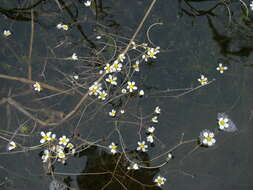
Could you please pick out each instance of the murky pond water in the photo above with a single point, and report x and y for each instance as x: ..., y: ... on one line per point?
x: 194, y: 38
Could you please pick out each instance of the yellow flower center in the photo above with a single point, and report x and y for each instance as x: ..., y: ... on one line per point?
x: 108, y: 68
x: 135, y: 66
x: 222, y: 68
x: 65, y: 27
x: 102, y: 95
x: 159, y: 181
x: 47, y: 138
x: 222, y: 122
x: 131, y: 86
x: 209, y: 139
x: 114, y: 147
x: 151, y: 54
x: 142, y: 146
x: 95, y: 89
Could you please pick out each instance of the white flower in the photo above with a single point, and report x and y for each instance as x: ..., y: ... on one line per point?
x: 112, y: 113
x: 111, y: 79
x: 74, y: 56
x: 98, y: 37
x: 157, y: 110
x: 122, y: 111
x: 87, y: 3
x: 102, y: 95
x: 63, y: 140
x: 136, y: 66
x: 151, y: 129
x: 221, y: 68
x: 7, y: 33
x: 70, y: 146
x: 251, y: 5
x: 223, y: 123
x: 169, y: 157
x: 207, y: 138
x: 159, y: 180
x: 133, y: 166
x: 131, y: 86
x: 154, y: 119
x: 123, y: 91
x: 46, y: 155
x: 134, y: 45
x: 116, y: 66
x: 141, y: 93
x: 37, y: 87
x: 113, y: 148
x: 142, y: 146
x: 47, y: 137
x: 95, y: 89
x: 152, y: 52
x: 203, y: 80
x: 121, y: 57
x: 108, y: 68
x: 61, y: 154
x: 12, y: 145
x: 76, y: 77
x: 150, y: 138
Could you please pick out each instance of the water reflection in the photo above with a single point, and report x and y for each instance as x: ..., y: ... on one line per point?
x: 106, y: 171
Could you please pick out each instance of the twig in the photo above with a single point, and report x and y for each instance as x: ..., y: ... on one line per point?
x: 43, y: 85
x: 31, y: 46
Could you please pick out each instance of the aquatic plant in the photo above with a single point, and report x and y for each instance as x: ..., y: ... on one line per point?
x: 102, y: 83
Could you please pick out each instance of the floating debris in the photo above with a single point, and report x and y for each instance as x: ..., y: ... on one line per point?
x: 225, y: 123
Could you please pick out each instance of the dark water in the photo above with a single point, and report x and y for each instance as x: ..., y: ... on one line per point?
x: 194, y: 38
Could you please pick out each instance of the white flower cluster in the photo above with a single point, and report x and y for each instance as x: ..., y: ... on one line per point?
x: 57, y: 149
x: 96, y: 90
x: 116, y: 66
x: 150, y: 137
x: 150, y: 53
x: 224, y: 124
x: 157, y: 111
